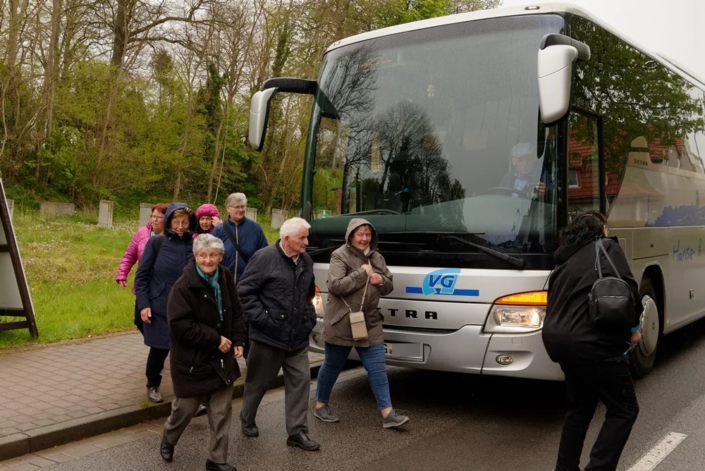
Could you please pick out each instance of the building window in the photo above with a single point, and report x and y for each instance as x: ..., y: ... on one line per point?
x: 573, y: 179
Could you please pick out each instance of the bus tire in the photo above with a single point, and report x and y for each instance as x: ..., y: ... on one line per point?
x: 643, y: 355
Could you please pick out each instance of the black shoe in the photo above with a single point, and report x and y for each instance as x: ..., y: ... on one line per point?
x: 211, y: 466
x: 250, y: 430
x: 154, y: 394
x: 302, y: 441
x: 166, y: 450
x: 201, y: 410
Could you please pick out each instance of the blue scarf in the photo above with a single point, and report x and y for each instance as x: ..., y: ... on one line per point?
x: 212, y: 280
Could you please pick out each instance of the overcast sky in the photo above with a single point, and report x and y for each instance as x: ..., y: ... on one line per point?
x: 675, y: 28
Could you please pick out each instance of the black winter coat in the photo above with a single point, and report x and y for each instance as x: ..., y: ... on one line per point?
x: 277, y: 296
x: 568, y: 333
x: 195, y: 329
x: 158, y: 272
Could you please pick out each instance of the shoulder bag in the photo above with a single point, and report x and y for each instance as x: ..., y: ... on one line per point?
x: 245, y: 257
x: 357, y: 319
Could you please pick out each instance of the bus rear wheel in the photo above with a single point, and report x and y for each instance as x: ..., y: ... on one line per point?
x: 643, y: 355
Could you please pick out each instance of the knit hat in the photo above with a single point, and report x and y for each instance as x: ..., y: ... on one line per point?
x: 207, y: 210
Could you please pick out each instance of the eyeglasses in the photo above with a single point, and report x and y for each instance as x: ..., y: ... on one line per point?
x: 156, y: 218
x: 237, y: 207
x: 179, y: 223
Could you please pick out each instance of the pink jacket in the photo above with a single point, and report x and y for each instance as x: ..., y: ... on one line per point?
x: 134, y: 251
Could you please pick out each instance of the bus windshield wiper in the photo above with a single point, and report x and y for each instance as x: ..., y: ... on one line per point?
x: 516, y: 261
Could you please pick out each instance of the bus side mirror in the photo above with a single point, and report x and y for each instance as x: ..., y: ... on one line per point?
x: 259, y: 115
x: 556, y: 60
x: 555, y: 72
x: 259, y: 107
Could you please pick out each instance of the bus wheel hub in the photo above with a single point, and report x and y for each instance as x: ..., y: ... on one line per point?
x: 650, y: 335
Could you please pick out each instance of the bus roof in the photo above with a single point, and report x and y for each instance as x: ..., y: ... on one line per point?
x: 538, y: 8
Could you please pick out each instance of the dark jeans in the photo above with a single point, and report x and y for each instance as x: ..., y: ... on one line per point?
x: 155, y: 365
x: 611, y: 383
x: 372, y: 359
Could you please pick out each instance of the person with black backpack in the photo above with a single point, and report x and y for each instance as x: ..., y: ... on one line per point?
x: 592, y: 321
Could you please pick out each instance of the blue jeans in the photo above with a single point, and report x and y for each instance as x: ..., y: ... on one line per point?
x: 373, y: 361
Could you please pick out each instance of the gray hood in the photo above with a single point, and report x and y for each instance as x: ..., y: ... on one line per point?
x: 353, y: 225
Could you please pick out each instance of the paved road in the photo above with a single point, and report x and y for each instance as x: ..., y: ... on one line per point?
x: 458, y: 422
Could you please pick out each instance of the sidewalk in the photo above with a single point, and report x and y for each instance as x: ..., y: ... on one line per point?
x: 59, y: 394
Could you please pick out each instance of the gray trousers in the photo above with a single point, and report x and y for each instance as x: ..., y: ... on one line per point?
x: 220, y: 413
x: 263, y: 364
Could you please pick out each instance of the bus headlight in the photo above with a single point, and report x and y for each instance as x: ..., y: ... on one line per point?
x: 518, y: 313
x: 318, y: 303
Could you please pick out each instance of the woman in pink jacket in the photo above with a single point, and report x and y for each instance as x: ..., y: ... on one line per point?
x: 134, y: 251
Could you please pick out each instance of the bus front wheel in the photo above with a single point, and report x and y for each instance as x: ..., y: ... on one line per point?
x: 644, y: 354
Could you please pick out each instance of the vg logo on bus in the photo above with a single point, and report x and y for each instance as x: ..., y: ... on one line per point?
x: 442, y: 282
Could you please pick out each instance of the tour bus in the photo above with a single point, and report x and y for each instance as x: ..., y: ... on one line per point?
x: 468, y: 142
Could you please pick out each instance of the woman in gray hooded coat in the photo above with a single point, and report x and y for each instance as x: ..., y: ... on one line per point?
x: 357, y: 278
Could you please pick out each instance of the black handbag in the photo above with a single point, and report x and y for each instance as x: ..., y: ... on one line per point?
x: 611, y: 301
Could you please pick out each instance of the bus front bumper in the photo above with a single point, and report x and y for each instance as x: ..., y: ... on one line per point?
x: 466, y: 350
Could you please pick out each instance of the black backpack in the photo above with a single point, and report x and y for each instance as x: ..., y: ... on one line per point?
x: 138, y: 318
x: 611, y: 300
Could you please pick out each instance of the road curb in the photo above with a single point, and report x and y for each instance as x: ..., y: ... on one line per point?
x: 50, y: 436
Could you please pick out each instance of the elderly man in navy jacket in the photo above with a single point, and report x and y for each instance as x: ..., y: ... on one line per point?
x: 242, y: 236
x: 276, y: 291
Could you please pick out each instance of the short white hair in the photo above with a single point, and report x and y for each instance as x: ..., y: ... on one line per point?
x: 234, y: 198
x: 207, y: 241
x: 292, y: 227
x: 523, y: 149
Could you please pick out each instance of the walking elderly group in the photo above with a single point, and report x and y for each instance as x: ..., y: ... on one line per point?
x: 210, y: 292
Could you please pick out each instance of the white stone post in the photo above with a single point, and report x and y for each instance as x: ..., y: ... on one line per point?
x: 278, y: 218
x: 145, y: 213
x: 105, y: 214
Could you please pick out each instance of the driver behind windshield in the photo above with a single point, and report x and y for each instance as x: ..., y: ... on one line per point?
x: 525, y: 177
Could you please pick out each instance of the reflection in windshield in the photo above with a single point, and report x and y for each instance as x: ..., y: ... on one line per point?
x: 405, y: 155
x: 436, y: 131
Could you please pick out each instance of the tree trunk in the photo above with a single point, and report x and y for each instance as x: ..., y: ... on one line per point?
x: 9, y: 84
x: 216, y: 153
x: 50, y: 79
x: 184, y: 143
x: 177, y: 185
x: 121, y: 32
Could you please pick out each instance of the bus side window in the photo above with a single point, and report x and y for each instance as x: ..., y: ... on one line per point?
x: 583, y: 165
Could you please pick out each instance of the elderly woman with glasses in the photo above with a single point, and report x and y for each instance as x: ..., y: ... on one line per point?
x: 135, y: 249
x: 207, y: 331
x: 163, y: 260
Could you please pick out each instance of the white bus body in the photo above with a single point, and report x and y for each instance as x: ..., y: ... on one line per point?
x: 643, y: 168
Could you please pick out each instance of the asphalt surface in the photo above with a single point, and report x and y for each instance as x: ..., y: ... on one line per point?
x: 457, y: 423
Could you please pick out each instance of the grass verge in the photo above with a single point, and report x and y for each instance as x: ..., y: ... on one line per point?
x: 70, y: 264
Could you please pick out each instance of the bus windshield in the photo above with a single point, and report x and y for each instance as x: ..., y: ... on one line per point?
x: 436, y: 131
